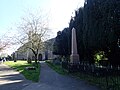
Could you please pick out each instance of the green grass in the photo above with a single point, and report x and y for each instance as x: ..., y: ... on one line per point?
x: 57, y: 68
x: 94, y: 80
x: 20, y: 66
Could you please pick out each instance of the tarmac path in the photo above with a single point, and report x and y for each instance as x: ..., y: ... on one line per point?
x: 50, y: 80
x: 11, y: 79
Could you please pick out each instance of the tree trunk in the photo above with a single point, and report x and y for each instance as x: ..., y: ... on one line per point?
x: 36, y: 58
x: 35, y: 54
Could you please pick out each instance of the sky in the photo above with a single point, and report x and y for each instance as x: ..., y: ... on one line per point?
x: 58, y: 11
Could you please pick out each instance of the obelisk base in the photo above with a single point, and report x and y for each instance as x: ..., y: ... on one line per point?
x: 74, y: 63
x: 74, y: 58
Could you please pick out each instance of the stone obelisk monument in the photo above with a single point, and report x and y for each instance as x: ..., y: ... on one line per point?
x: 74, y: 58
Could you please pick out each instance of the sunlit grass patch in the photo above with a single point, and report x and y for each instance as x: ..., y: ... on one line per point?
x: 57, y: 68
x: 20, y: 66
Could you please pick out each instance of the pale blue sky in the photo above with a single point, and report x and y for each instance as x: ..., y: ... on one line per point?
x: 12, y: 10
x: 59, y: 11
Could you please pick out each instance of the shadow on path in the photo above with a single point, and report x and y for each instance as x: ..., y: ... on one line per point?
x: 11, y: 79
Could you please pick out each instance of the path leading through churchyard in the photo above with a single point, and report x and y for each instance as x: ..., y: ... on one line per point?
x: 50, y: 80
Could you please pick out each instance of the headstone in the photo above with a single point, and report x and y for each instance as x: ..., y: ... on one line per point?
x: 30, y: 68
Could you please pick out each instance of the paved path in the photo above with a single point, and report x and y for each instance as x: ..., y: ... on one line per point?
x: 50, y: 80
x: 11, y: 79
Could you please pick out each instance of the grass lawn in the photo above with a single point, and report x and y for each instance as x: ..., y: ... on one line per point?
x: 57, y: 68
x: 99, y: 81
x: 20, y: 66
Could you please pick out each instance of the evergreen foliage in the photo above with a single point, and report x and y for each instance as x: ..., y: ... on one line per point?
x: 97, y: 27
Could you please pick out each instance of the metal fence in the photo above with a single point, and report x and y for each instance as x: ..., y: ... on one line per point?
x: 107, y: 77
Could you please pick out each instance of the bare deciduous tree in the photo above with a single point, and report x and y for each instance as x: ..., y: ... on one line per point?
x: 33, y: 31
x: 3, y: 45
